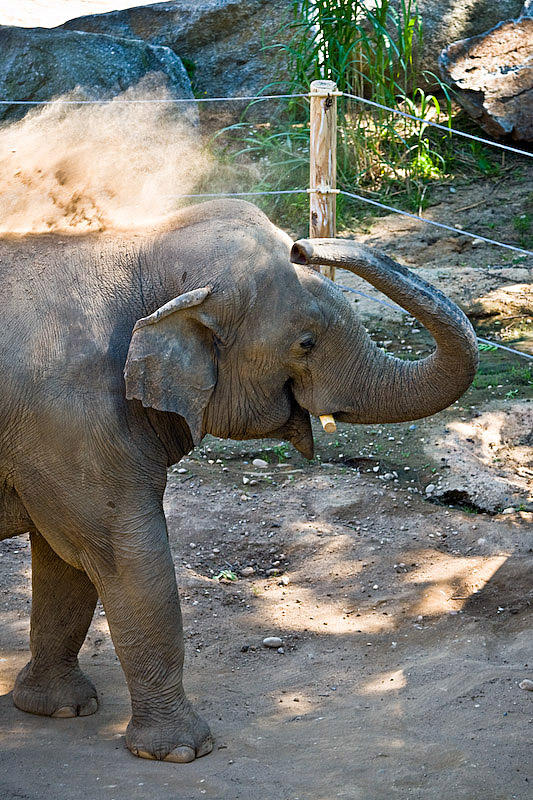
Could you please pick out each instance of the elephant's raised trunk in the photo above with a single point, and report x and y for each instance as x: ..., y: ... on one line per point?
x: 388, y: 389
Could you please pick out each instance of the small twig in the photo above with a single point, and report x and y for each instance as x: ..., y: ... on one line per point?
x: 473, y: 205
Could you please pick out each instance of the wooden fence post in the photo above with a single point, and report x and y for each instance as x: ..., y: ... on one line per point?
x: 323, y: 163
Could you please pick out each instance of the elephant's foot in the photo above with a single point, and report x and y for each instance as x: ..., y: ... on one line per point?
x: 54, y: 692
x: 181, y: 740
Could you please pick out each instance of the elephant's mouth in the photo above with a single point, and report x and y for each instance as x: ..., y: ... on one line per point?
x: 297, y: 430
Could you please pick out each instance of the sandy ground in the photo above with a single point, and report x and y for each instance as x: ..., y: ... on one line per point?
x: 404, y: 628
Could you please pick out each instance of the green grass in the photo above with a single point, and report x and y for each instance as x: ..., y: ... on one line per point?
x: 369, y: 52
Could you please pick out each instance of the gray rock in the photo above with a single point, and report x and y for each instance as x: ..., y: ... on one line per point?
x: 40, y: 64
x: 247, y: 572
x: 220, y: 41
x: 444, y: 21
x: 492, y: 75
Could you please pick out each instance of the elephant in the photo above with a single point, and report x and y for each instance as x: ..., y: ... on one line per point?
x: 119, y: 351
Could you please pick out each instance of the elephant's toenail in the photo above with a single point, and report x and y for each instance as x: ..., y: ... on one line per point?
x: 143, y: 754
x: 205, y: 748
x: 64, y: 712
x: 89, y: 708
x: 181, y: 755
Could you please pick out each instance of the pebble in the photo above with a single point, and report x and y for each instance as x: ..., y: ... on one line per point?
x: 272, y: 572
x: 245, y: 480
x: 272, y: 641
x: 259, y: 462
x: 527, y: 685
x: 246, y: 572
x: 509, y: 510
x: 285, y: 580
x: 430, y: 488
x: 182, y: 471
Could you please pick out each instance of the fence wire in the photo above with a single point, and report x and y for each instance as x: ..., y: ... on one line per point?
x: 406, y: 313
x: 259, y: 98
x: 436, y: 224
x: 445, y: 128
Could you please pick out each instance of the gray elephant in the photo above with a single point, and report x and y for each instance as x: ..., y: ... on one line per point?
x: 117, y: 354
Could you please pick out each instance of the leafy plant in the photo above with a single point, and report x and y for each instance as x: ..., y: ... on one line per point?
x: 372, y: 53
x: 282, y: 451
x: 226, y: 575
x: 522, y: 223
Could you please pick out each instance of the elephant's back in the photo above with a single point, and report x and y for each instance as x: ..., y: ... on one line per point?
x: 59, y: 301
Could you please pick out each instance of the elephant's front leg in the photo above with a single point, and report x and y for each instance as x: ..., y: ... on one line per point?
x: 63, y: 602
x: 140, y: 597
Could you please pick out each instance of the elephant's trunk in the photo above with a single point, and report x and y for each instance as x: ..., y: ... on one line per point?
x: 388, y: 389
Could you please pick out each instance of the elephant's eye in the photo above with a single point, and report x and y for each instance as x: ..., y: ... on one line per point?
x: 307, y: 342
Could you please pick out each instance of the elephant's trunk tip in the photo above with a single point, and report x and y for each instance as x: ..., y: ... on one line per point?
x: 301, y: 252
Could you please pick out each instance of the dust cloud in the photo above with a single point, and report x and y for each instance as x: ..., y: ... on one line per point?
x: 79, y: 168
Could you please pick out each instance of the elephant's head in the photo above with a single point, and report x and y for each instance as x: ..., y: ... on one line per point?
x: 262, y: 340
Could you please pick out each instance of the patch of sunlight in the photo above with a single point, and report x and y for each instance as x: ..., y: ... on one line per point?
x: 49, y: 13
x: 452, y: 580
x: 311, y: 528
x: 292, y: 702
x: 301, y: 610
x: 385, y: 682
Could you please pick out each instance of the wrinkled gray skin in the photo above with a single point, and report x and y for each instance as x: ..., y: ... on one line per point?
x: 117, y: 353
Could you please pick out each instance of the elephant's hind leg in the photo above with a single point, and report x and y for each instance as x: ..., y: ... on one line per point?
x: 63, y: 602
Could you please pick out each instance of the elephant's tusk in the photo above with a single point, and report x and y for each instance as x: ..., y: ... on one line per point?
x: 328, y: 423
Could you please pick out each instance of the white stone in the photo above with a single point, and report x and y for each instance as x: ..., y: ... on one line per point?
x: 272, y: 641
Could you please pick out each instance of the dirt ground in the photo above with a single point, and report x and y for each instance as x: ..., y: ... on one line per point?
x: 395, y: 567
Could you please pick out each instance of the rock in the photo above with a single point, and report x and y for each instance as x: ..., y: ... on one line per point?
x: 271, y: 573
x: 430, y: 488
x: 221, y: 41
x: 527, y: 685
x: 259, y: 462
x: 40, y: 64
x: 247, y: 572
x: 285, y: 580
x: 444, y: 21
x: 492, y: 76
x: 273, y: 641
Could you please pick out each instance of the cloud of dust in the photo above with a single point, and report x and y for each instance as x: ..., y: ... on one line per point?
x: 79, y: 168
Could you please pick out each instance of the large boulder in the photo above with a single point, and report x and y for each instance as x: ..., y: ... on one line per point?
x: 222, y: 42
x: 40, y: 64
x: 492, y: 75
x: 444, y: 21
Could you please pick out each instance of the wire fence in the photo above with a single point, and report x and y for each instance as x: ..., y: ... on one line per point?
x: 349, y: 194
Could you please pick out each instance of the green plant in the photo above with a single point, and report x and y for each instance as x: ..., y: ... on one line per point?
x: 483, y: 160
x: 282, y: 451
x: 522, y: 223
x: 371, y: 52
x: 226, y: 575
x: 522, y: 375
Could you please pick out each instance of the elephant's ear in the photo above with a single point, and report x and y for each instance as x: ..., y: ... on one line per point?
x: 171, y: 360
